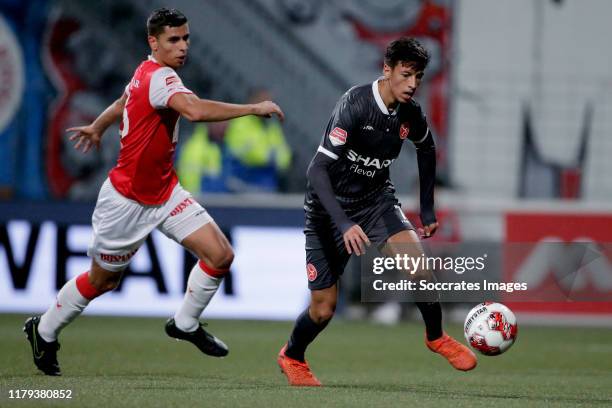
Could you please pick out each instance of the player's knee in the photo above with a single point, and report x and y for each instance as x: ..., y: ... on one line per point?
x: 223, y: 260
x: 422, y: 274
x: 106, y: 284
x: 322, y: 312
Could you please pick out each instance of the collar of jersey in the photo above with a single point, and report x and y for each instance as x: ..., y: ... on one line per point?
x: 379, y: 101
x: 150, y: 58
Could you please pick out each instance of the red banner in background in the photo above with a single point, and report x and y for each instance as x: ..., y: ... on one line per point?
x: 568, y: 228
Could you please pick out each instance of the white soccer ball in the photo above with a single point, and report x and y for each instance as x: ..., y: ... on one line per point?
x: 490, y: 328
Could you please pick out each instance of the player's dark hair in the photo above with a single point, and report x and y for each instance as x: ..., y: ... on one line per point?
x: 407, y: 50
x: 162, y: 17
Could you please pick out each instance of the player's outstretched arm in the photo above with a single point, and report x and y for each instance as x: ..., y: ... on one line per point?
x: 355, y: 240
x: 90, y: 135
x: 204, y: 110
x: 426, y: 158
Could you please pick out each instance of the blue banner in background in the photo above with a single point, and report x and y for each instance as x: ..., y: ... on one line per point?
x: 25, y: 93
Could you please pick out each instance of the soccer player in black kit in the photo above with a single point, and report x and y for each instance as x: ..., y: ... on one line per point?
x: 350, y: 200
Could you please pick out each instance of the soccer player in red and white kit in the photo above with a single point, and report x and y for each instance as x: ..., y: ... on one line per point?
x: 142, y: 193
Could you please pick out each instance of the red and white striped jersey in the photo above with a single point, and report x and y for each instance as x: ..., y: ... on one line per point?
x: 149, y: 133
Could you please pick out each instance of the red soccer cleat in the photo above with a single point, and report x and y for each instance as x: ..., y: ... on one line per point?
x: 298, y: 373
x: 458, y: 355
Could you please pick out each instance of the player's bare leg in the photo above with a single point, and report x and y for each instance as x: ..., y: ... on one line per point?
x: 72, y: 299
x: 215, y: 256
x: 459, y: 356
x: 307, y: 326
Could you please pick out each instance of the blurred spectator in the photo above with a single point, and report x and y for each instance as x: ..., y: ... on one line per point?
x: 200, y: 164
x: 258, y: 153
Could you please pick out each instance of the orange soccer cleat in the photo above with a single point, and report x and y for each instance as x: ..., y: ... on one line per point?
x: 298, y: 373
x: 460, y: 357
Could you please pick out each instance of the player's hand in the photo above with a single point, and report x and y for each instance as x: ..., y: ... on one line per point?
x: 86, y: 137
x: 267, y: 108
x: 355, y: 240
x: 428, y: 230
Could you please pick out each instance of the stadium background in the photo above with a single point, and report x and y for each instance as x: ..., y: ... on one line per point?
x: 518, y: 94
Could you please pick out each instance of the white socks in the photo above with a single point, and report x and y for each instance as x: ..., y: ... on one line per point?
x: 68, y: 305
x: 201, y: 287
x: 76, y: 294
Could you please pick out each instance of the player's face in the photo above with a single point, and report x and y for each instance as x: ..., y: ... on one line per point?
x: 170, y: 47
x: 404, y: 79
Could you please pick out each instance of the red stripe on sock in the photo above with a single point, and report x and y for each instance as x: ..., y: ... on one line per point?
x: 88, y: 290
x: 210, y: 271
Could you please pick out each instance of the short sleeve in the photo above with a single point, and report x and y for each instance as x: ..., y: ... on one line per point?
x: 339, y: 128
x: 165, y: 83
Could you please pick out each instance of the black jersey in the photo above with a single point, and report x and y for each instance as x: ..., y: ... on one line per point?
x: 363, y: 139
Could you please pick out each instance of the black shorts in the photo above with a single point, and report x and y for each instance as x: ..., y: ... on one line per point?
x: 326, y: 255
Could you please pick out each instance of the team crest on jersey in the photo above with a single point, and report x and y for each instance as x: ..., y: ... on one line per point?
x: 338, y: 136
x: 172, y: 80
x: 311, y: 271
x: 404, y: 130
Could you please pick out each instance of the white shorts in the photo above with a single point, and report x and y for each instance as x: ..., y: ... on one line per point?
x: 121, y: 225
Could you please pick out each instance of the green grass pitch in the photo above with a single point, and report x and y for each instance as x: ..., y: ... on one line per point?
x: 115, y: 362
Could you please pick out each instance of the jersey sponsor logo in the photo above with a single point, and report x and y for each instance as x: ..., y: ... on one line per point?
x: 367, y: 127
x: 368, y: 161
x: 355, y: 168
x: 338, y: 136
x: 172, y: 80
x: 181, y: 207
x: 404, y: 130
x: 311, y: 272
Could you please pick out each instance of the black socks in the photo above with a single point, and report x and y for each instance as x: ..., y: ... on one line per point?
x: 304, y: 332
x: 432, y: 316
